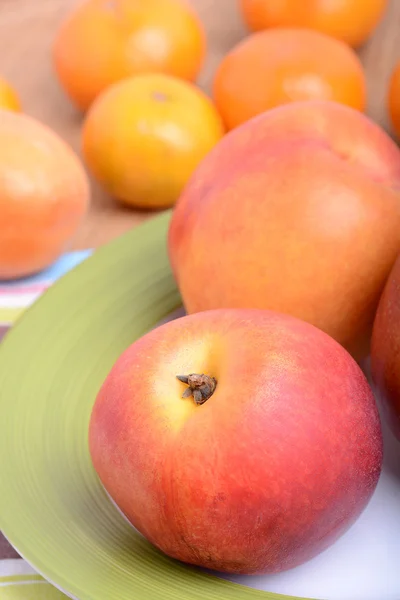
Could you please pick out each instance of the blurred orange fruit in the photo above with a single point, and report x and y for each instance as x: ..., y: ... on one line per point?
x: 44, y: 193
x: 8, y: 97
x: 144, y: 136
x: 393, y: 99
x: 103, y: 41
x: 352, y: 21
x: 277, y: 66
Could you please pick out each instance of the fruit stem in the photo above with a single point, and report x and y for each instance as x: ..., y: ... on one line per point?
x: 201, y: 387
x: 159, y: 97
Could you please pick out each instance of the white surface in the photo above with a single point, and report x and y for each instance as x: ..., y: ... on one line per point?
x: 365, y: 563
x: 15, y: 566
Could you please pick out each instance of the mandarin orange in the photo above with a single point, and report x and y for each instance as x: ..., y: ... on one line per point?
x: 144, y: 136
x: 352, y: 21
x: 103, y: 41
x: 278, y: 66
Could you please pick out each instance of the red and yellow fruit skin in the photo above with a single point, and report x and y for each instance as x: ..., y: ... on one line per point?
x: 272, y: 469
x: 385, y: 349
x: 298, y: 211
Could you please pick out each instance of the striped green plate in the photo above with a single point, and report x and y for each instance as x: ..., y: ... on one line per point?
x: 52, y: 507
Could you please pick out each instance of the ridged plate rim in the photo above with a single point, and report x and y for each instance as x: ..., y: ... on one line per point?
x: 38, y: 436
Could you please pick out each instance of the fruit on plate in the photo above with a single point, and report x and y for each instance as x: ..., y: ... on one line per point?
x: 284, y: 65
x: 104, y: 41
x: 385, y: 349
x: 297, y: 211
x: 259, y: 455
x: 352, y: 21
x: 9, y: 99
x: 393, y: 99
x: 44, y: 194
x: 144, y: 136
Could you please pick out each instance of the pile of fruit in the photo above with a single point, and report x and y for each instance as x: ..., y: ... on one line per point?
x: 130, y: 69
x: 243, y: 437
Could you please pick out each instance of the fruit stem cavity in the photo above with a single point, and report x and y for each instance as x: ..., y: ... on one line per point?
x: 201, y: 387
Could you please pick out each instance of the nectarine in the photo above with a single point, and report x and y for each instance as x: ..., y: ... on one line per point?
x: 260, y: 454
x: 298, y: 211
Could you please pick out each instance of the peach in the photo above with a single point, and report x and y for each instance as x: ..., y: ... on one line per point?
x: 44, y: 195
x: 261, y: 453
x: 298, y: 211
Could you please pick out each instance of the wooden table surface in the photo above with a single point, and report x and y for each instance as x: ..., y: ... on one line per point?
x: 26, y: 32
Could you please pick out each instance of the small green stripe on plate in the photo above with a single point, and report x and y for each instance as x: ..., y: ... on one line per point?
x: 40, y: 590
x: 10, y: 315
x: 18, y: 578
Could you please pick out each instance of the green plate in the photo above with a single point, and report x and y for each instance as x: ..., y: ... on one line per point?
x: 52, y: 506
